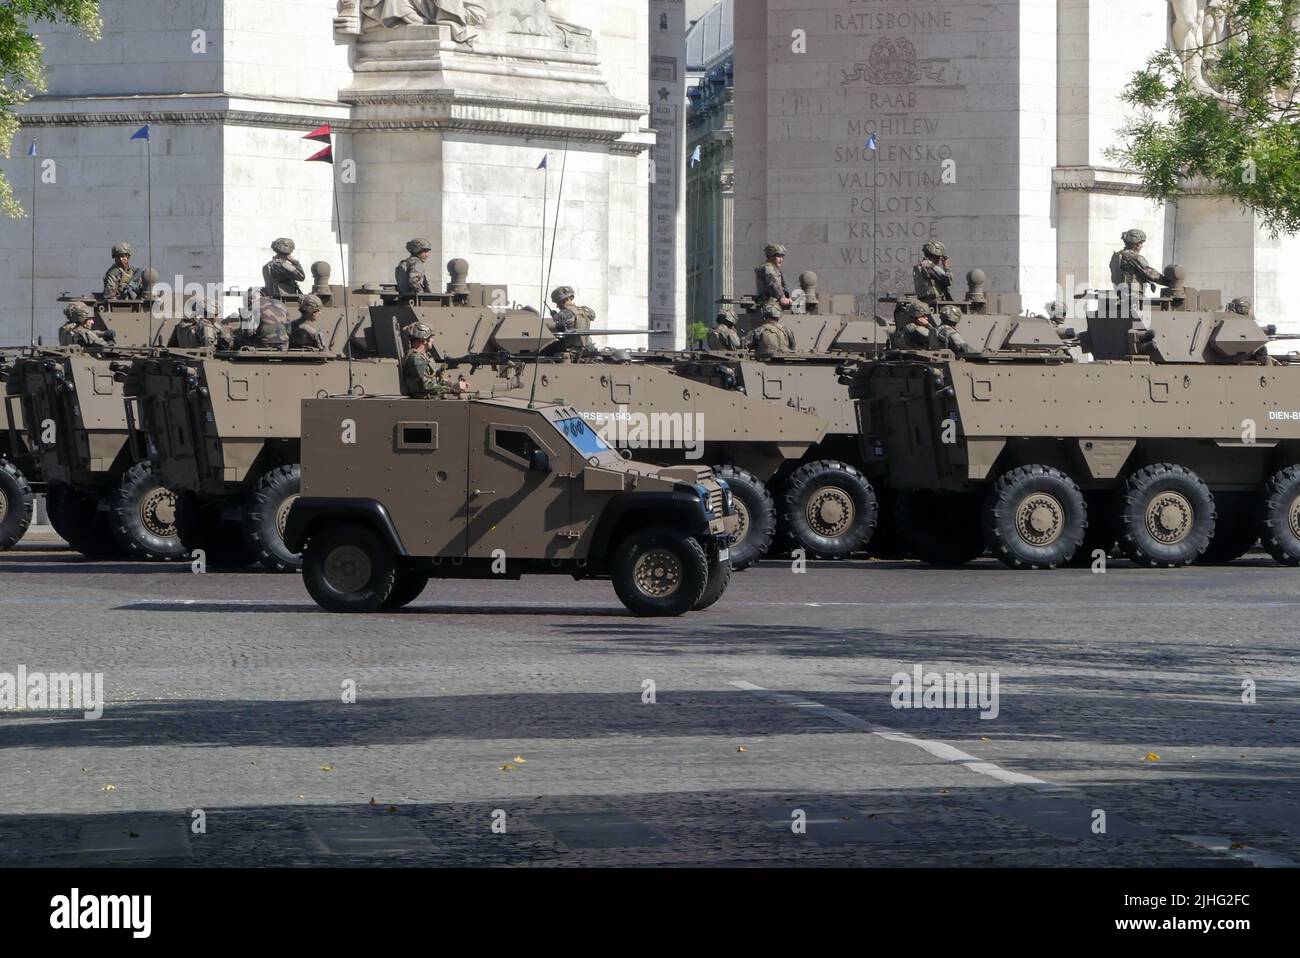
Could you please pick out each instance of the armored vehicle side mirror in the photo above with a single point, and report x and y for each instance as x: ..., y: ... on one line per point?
x: 539, y: 461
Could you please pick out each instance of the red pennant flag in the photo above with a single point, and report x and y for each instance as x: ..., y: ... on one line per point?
x: 320, y: 134
x: 324, y: 156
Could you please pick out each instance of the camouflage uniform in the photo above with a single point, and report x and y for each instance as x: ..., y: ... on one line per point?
x: 723, y: 336
x: 202, y: 329
x: 304, y: 334
x: 771, y: 339
x: 771, y: 280
x: 1129, y: 269
x: 75, y: 332
x: 570, y: 318
x: 271, y: 320
x: 281, y: 275
x: 122, y: 282
x: 932, y: 277
x: 411, y: 278
x: 419, y: 378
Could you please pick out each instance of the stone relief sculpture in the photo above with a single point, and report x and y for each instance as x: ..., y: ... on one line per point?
x: 468, y: 19
x: 1198, y: 27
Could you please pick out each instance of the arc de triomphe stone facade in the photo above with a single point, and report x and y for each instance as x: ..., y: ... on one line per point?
x: 445, y: 108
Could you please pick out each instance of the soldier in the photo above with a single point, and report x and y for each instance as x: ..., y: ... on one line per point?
x: 723, y: 336
x: 771, y: 338
x: 281, y: 276
x: 1129, y: 269
x: 303, y: 334
x: 946, y: 335
x: 272, y: 318
x: 121, y: 281
x: 912, y: 329
x: 411, y: 280
x: 933, y: 275
x: 79, y: 329
x: 771, y: 281
x: 569, y: 317
x: 201, y: 328
x: 419, y: 378
x: 1242, y: 306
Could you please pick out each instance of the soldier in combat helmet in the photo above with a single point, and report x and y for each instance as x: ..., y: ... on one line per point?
x: 568, y: 317
x: 771, y: 281
x: 912, y: 326
x: 121, y: 281
x: 771, y: 338
x: 411, y: 277
x: 723, y: 336
x: 420, y: 380
x: 79, y: 329
x: 933, y: 276
x: 281, y: 276
x: 303, y: 333
x: 1129, y: 269
x: 946, y: 335
x: 201, y: 328
x: 1242, y: 306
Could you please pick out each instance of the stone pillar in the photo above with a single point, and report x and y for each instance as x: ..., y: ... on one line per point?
x: 727, y: 244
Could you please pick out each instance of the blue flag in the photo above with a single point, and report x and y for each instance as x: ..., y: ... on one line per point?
x: 31, y: 150
x: 142, y: 133
x: 543, y: 165
x: 695, y: 157
x: 871, y: 143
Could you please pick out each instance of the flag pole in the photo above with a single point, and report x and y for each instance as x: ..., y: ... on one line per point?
x: 541, y: 313
x: 555, y: 228
x: 343, y: 268
x: 33, y: 331
x: 875, y: 234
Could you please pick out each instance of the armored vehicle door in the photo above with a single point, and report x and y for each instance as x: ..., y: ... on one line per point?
x: 521, y: 476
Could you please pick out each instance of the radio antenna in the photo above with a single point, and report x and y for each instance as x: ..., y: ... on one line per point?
x: 546, y: 276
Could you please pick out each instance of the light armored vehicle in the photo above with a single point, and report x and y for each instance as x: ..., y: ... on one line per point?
x: 398, y: 491
x: 1180, y: 440
x: 18, y: 469
x: 69, y: 402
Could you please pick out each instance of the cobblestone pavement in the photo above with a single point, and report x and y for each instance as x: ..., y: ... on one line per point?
x: 522, y: 706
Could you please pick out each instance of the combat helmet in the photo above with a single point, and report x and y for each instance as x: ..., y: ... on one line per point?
x: 418, y: 332
x: 417, y: 246
x: 78, y: 313
x: 915, y: 309
x: 284, y: 246
x: 771, y: 310
x: 121, y: 249
x: 1241, y: 305
x: 562, y: 295
x: 774, y: 249
x: 311, y: 303
x: 1133, y: 238
x: 934, y: 249
x: 950, y: 315
x: 725, y: 318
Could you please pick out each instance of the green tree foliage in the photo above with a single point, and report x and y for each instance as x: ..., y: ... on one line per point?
x: 696, y: 334
x: 22, y: 63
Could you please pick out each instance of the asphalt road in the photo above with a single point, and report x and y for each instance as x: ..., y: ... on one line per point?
x: 524, y: 706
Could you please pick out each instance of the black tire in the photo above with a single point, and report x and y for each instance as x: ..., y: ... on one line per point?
x: 1279, y: 516
x: 143, y: 516
x: 940, y: 529
x: 15, y: 505
x: 719, y: 579
x: 199, y: 526
x: 268, y: 508
x: 349, y: 568
x: 1236, y: 529
x: 78, y: 519
x: 1166, y: 516
x: 830, y: 509
x: 756, y: 511
x: 673, y: 572
x: 885, y: 542
x: 408, y: 583
x: 1034, y: 517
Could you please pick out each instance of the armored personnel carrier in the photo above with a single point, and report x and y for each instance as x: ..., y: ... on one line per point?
x: 18, y: 469
x: 1179, y: 440
x: 456, y: 488
x: 100, y: 498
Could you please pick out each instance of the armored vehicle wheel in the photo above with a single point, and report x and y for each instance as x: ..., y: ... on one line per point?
x: 756, y: 512
x: 408, y: 583
x: 659, y: 571
x: 349, y: 568
x: 77, y: 518
x: 1034, y: 518
x: 830, y: 509
x: 941, y: 529
x: 1235, y: 528
x: 143, y: 516
x: 199, y: 526
x: 15, y: 505
x: 719, y: 579
x: 1279, y: 520
x: 1166, y: 516
x: 268, y: 510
